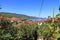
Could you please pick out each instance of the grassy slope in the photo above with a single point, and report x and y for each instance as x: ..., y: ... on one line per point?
x: 13, y: 15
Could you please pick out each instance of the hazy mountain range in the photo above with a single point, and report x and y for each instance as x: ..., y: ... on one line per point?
x: 8, y: 14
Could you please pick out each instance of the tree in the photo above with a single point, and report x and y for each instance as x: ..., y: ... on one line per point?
x: 26, y: 32
x: 58, y: 16
x: 49, y: 17
x: 48, y: 31
x: 0, y: 7
x: 24, y: 18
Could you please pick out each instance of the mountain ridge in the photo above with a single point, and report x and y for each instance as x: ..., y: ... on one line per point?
x: 21, y: 16
x: 15, y: 15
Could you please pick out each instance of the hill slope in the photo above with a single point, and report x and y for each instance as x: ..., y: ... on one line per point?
x: 21, y: 16
x: 12, y: 14
x: 17, y: 15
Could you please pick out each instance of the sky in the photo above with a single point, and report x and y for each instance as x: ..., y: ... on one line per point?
x: 30, y: 7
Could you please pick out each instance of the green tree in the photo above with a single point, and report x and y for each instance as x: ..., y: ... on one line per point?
x: 49, y: 17
x: 48, y: 31
x: 58, y: 15
x: 26, y: 32
x: 24, y: 18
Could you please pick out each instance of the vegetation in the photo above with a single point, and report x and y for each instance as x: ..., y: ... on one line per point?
x: 10, y: 32
x: 21, y: 16
x: 48, y: 31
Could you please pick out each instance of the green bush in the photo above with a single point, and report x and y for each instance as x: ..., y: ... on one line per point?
x: 9, y: 32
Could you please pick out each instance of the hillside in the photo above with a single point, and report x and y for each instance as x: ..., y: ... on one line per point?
x: 16, y: 15
x: 21, y: 16
x: 12, y: 15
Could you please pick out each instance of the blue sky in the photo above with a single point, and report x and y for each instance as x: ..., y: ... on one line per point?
x: 30, y: 7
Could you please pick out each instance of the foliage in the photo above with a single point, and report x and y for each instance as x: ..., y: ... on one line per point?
x: 48, y: 31
x: 21, y: 16
x: 26, y: 31
x: 23, y: 32
x: 58, y: 15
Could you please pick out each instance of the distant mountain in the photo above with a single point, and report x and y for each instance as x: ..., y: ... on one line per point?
x: 15, y: 15
x: 21, y: 16
x: 12, y: 15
